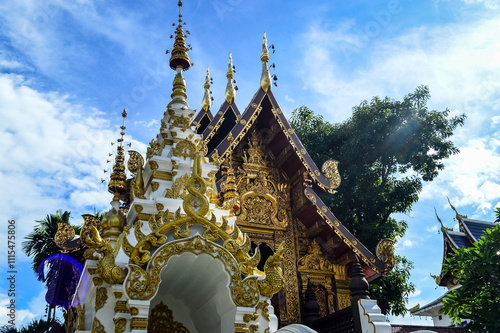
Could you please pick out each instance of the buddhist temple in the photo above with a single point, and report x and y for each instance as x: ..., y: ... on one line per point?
x: 470, y: 231
x: 219, y: 227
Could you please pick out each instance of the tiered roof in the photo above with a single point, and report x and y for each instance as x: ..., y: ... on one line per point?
x: 227, y: 131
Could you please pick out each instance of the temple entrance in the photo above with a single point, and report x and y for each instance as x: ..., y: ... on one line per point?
x: 193, y: 296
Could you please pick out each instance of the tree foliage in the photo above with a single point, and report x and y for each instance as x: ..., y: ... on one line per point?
x: 478, y: 271
x: 392, y: 291
x: 386, y: 150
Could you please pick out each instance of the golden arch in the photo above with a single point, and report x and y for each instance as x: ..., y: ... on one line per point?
x: 143, y: 285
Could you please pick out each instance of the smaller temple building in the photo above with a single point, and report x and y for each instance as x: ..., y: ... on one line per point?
x: 469, y: 232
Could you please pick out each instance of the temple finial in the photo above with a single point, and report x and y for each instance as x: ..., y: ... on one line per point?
x: 205, y: 104
x: 179, y: 56
x: 230, y: 91
x: 179, y: 61
x: 265, y: 78
x: 443, y: 228
x: 458, y: 216
x: 117, y: 183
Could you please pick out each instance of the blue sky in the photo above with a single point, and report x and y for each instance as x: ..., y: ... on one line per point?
x: 67, y: 69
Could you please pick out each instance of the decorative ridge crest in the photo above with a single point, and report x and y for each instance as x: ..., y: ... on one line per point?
x: 378, y: 264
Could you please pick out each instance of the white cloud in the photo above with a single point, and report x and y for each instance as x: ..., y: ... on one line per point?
x: 52, y: 153
x: 490, y: 4
x: 457, y: 61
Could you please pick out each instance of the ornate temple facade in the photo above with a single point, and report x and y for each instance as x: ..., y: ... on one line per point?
x: 219, y: 227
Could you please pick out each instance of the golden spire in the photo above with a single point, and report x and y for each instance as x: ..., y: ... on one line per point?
x: 205, y: 104
x: 117, y: 184
x: 265, y: 78
x: 230, y: 91
x: 179, y: 61
x: 179, y: 56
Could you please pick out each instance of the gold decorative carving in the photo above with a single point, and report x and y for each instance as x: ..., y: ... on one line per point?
x: 80, y: 317
x: 138, y: 208
x: 314, y: 260
x: 155, y: 186
x: 64, y: 234
x: 134, y: 311
x: 121, y: 307
x: 274, y: 277
x: 118, y: 294
x: 143, y: 284
x: 385, y: 252
x: 330, y: 170
x: 310, y: 196
x: 153, y: 165
x: 97, y: 280
x: 159, y: 206
x: 181, y: 122
x: 101, y: 296
x: 139, y: 324
x: 178, y: 187
x: 97, y: 327
x: 134, y: 161
x: 264, y: 308
x: 106, y: 266
x: 161, y: 320
x: 184, y: 149
x: 120, y: 324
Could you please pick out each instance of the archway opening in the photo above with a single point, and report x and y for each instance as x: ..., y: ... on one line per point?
x: 196, y: 289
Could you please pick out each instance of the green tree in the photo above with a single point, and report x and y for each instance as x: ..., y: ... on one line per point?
x: 392, y: 291
x: 478, y: 271
x: 386, y: 150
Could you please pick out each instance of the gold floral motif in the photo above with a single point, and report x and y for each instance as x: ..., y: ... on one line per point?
x: 97, y: 281
x: 138, y: 208
x: 64, y: 234
x: 330, y: 169
x: 155, y: 186
x: 385, y: 252
x: 314, y: 260
x: 310, y: 196
x: 178, y: 187
x: 153, y: 165
x: 243, y: 122
x: 120, y: 324
x: 185, y: 149
x: 101, y: 296
x: 181, y: 122
x: 159, y: 206
x: 134, y: 311
x: 97, y: 327
x: 264, y: 307
x: 134, y: 161
x: 161, y: 320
